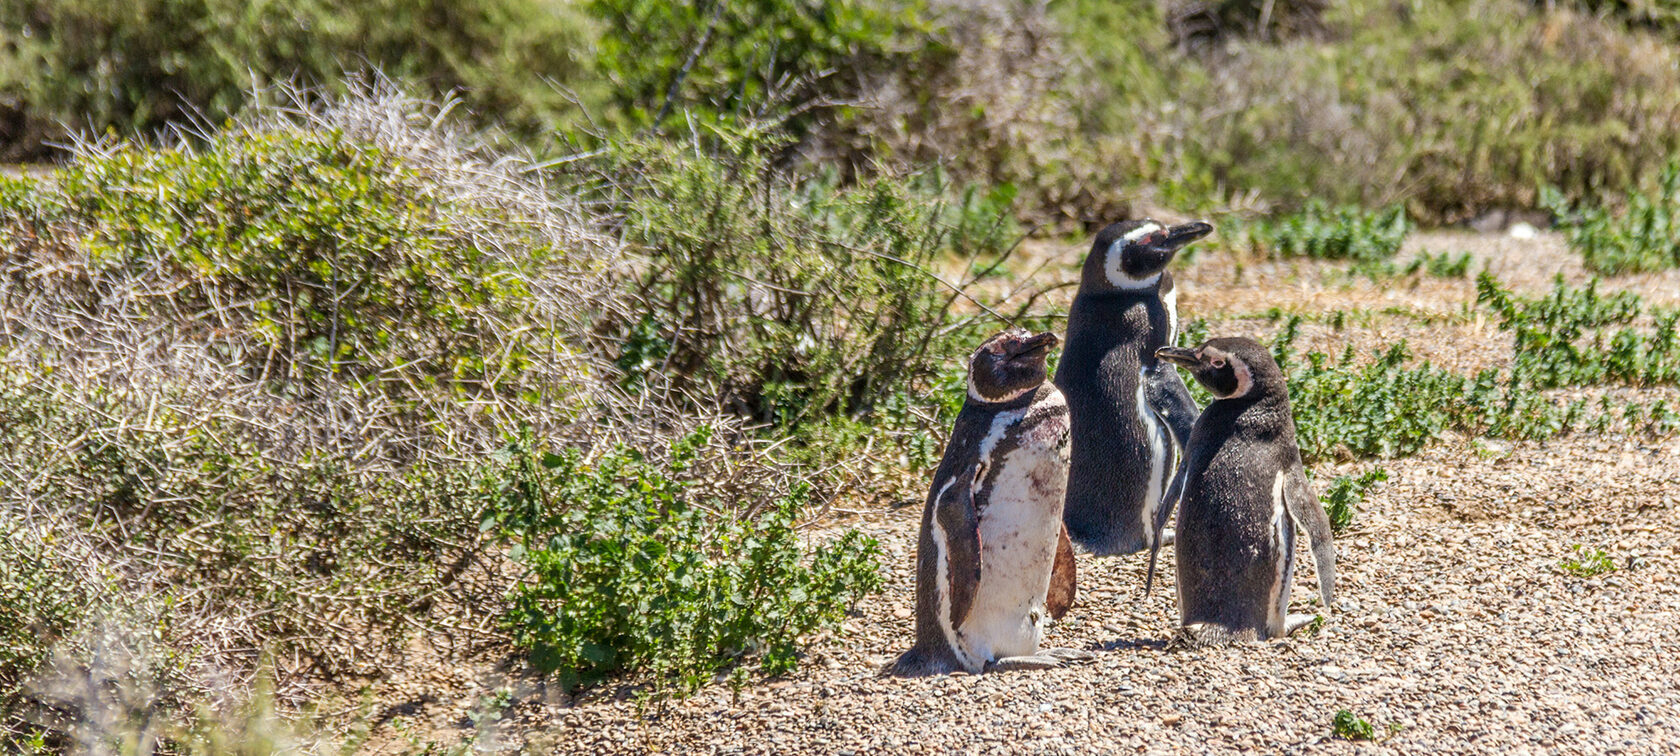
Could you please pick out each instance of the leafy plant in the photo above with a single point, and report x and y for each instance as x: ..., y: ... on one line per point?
x: 1342, y: 498
x: 1587, y: 562
x: 155, y: 63
x: 1344, y: 233
x: 1349, y: 726
x: 793, y: 299
x: 712, y: 59
x: 1564, y: 338
x: 1643, y: 236
x: 626, y: 574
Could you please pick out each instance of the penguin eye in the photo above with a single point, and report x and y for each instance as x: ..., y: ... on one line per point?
x: 1219, y: 363
x: 995, y: 347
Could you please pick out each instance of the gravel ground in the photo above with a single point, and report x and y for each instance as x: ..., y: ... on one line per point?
x: 1455, y: 628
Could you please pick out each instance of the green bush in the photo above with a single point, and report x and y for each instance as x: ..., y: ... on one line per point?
x: 1349, y: 726
x: 1452, y: 110
x: 139, y: 66
x: 718, y: 60
x: 43, y: 599
x: 1643, y: 236
x: 1565, y: 338
x: 1345, y: 233
x: 1587, y: 562
x: 310, y: 241
x: 626, y: 574
x: 1342, y: 498
x: 793, y: 299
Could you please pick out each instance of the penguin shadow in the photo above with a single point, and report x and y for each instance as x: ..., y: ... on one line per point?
x: 1129, y: 644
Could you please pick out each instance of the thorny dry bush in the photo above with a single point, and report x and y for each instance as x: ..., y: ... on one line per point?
x: 247, y: 423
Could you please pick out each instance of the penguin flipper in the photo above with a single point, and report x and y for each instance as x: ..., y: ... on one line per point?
x: 1168, y: 502
x: 957, y: 517
x: 1309, y: 515
x: 1064, y: 578
x: 1167, y: 397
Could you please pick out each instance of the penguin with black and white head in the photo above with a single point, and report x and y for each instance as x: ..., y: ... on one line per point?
x: 1242, y: 493
x: 993, y: 563
x: 1130, y: 414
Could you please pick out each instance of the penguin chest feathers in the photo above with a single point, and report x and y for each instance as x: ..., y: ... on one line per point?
x: 1019, y: 507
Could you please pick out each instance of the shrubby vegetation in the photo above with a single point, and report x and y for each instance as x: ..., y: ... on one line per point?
x: 1643, y: 236
x: 252, y: 390
x: 628, y: 574
x: 1321, y: 232
x: 1344, y: 494
x: 1450, y: 111
x: 139, y: 66
x: 1387, y: 407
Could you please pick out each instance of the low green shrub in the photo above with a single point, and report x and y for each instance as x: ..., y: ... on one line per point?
x: 1387, y: 407
x: 1343, y: 496
x: 1642, y: 236
x: 1587, y: 562
x: 670, y: 61
x: 792, y: 299
x: 1350, y: 726
x: 626, y: 574
x: 144, y: 65
x: 310, y: 241
x: 1452, y: 110
x: 43, y: 599
x: 1344, y: 233
x: 1566, y: 339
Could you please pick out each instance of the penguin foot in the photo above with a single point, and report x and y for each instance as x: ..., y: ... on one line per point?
x: 1295, y: 622
x: 1069, y: 655
x: 1018, y: 663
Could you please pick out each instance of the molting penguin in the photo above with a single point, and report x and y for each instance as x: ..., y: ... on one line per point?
x: 1243, y: 494
x: 994, y: 562
x: 1129, y: 412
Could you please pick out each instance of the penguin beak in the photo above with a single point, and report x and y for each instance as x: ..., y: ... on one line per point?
x: 1181, y: 235
x: 1180, y: 356
x: 1035, y: 344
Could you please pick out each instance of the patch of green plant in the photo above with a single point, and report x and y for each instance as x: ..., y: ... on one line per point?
x: 627, y: 574
x: 328, y: 253
x: 1642, y: 236
x: 1342, y: 233
x: 43, y: 598
x: 148, y: 64
x: 1349, y: 726
x: 1433, y: 264
x: 1565, y: 338
x: 712, y: 60
x: 794, y: 298
x: 1345, y: 493
x: 1587, y: 562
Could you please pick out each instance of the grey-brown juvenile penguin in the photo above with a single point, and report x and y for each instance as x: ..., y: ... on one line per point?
x: 1243, y: 493
x: 993, y: 563
x: 1130, y: 414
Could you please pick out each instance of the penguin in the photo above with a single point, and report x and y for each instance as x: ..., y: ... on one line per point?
x: 993, y: 563
x: 1130, y: 414
x: 1242, y: 494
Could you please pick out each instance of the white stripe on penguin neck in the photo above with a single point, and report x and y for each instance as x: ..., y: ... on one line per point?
x: 1245, y: 378
x: 1111, y: 261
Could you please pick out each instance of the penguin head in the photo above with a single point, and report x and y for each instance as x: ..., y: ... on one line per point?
x: 1131, y: 254
x: 1008, y: 365
x: 1231, y: 368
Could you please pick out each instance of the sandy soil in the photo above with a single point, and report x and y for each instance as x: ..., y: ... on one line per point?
x: 1454, y: 630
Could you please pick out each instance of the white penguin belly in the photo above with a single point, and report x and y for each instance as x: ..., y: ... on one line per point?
x: 1018, y: 533
x: 1159, y: 448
